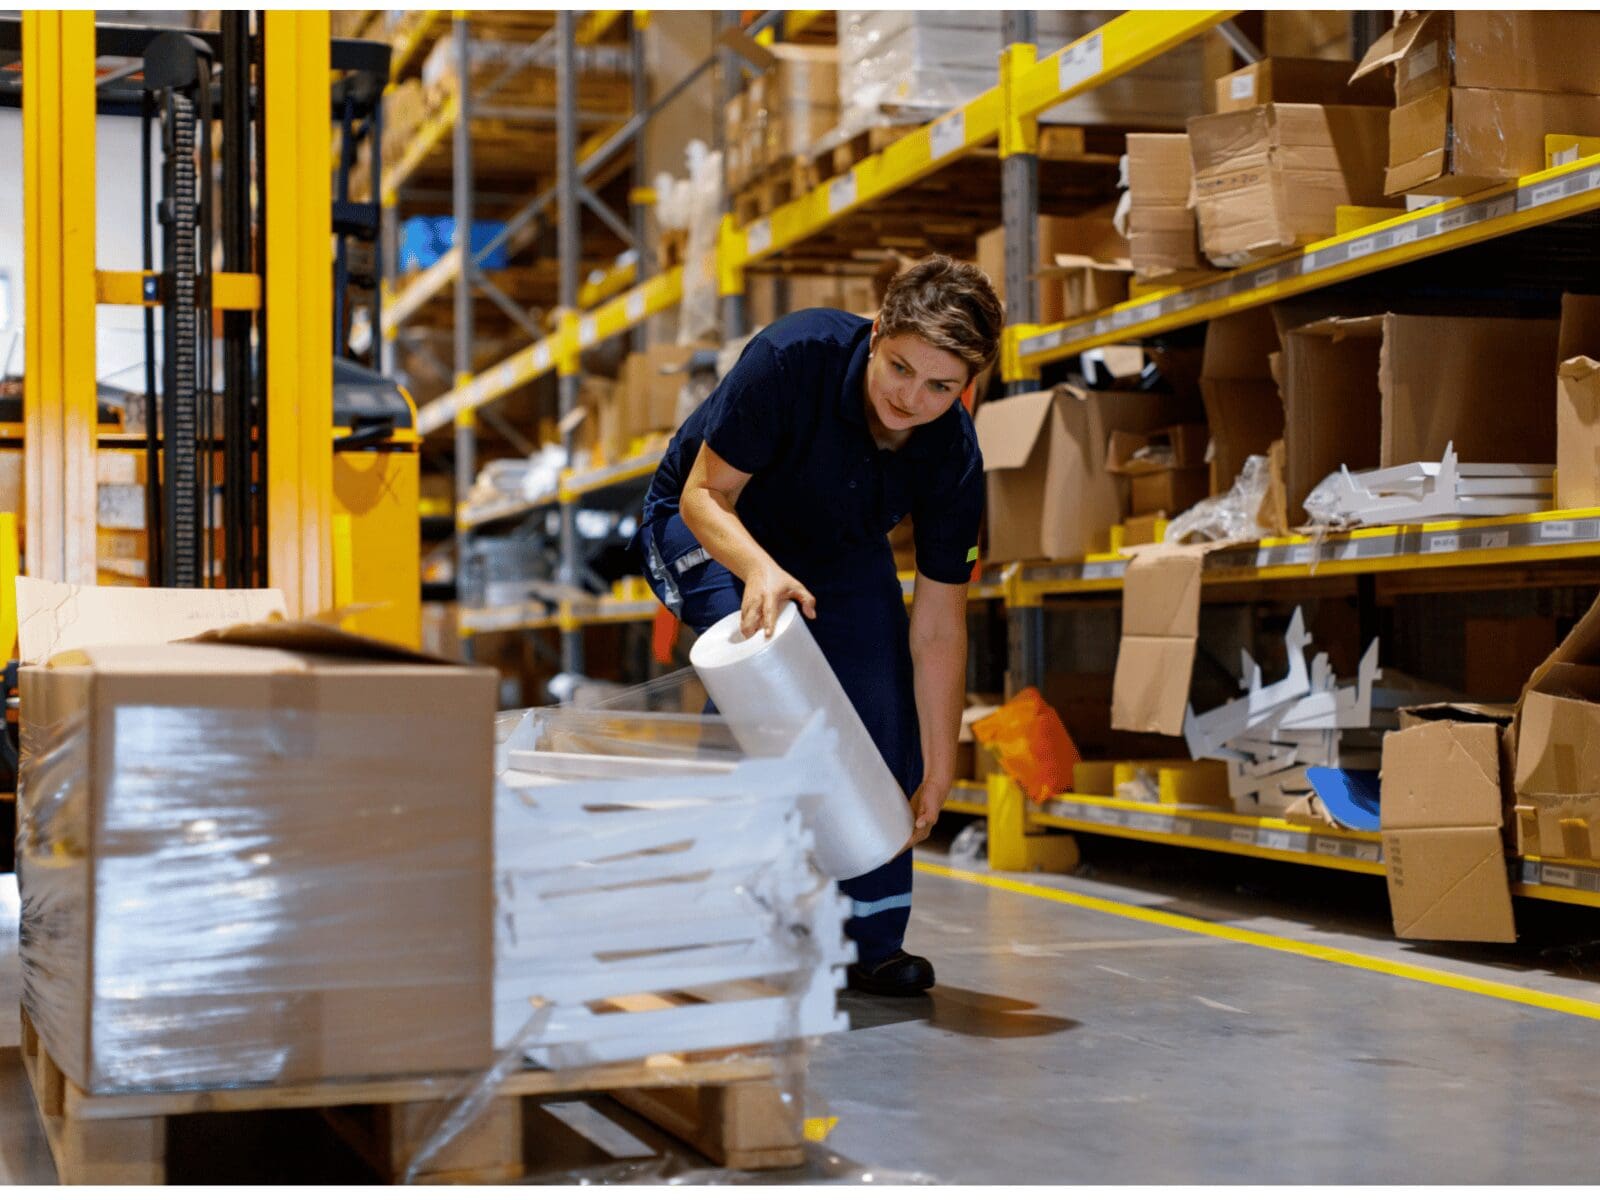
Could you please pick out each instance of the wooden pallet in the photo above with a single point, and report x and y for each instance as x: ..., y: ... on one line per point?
x: 731, y: 1110
x: 775, y: 186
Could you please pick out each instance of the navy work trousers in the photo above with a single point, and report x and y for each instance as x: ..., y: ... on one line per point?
x: 863, y: 632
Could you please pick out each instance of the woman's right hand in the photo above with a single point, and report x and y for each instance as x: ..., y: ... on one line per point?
x: 766, y: 591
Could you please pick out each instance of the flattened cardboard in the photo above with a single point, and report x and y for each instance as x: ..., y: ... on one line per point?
x: 1578, y: 404
x: 1160, y: 626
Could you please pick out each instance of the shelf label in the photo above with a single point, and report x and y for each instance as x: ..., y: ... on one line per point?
x: 1182, y: 828
x: 1242, y: 835
x: 1495, y: 209
x: 949, y: 134
x: 635, y: 306
x: 1558, y: 876
x: 541, y: 356
x: 588, y: 331
x: 842, y: 193
x: 1547, y: 193
x: 1495, y: 541
x: 1081, y: 62
x: 1444, y: 543
x: 1403, y: 234
x: 1367, y: 853
x: 758, y: 239
x: 1276, y: 839
x: 507, y: 377
x: 1267, y: 278
x: 1361, y: 248
x: 1327, y: 846
x: 1301, y: 555
x: 1557, y: 530
x: 1452, y: 220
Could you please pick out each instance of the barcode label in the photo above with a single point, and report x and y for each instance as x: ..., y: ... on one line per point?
x: 1276, y: 839
x: 1268, y: 277
x: 1242, y: 836
x: 635, y: 306
x: 842, y: 193
x: 759, y: 237
x: 1557, y: 529
x: 948, y: 135
x: 1452, y: 220
x: 1360, y: 249
x: 1558, y: 876
x: 1404, y: 234
x: 1327, y: 846
x: 1081, y: 62
x: 1547, y: 193
x: 1444, y: 543
x: 1243, y: 87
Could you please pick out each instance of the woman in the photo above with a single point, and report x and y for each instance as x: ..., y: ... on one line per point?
x: 784, y: 486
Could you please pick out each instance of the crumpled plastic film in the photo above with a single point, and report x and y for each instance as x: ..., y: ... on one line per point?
x: 206, y: 903
x: 640, y: 855
x: 1232, y: 516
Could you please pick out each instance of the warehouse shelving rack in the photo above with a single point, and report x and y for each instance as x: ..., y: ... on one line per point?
x: 1006, y: 116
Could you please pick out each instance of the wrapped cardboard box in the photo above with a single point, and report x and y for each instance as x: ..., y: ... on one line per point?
x: 1381, y: 391
x: 1578, y: 404
x: 1162, y: 235
x: 1519, y: 51
x: 260, y: 857
x: 1442, y: 813
x: 1269, y: 178
x: 1050, y: 495
x: 1455, y: 141
x: 795, y: 102
x: 1300, y: 81
x: 1244, y: 411
x: 1093, y: 238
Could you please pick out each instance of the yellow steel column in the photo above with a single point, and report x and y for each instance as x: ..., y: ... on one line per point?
x: 58, y: 108
x: 299, y: 317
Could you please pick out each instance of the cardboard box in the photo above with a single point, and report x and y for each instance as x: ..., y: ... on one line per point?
x: 1578, y: 404
x: 1300, y: 81
x: 1441, y: 810
x: 1520, y: 51
x: 1165, y: 468
x: 650, y: 384
x: 1093, y: 237
x: 1162, y: 235
x: 1382, y: 391
x: 1243, y: 408
x: 1455, y: 141
x: 1144, y: 529
x: 975, y: 761
x: 1050, y: 495
x: 1160, y: 626
x: 277, y: 864
x: 1269, y: 178
x: 1086, y: 285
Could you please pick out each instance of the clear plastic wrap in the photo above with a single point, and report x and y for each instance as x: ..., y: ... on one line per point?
x: 232, y: 893
x: 1233, y: 516
x: 699, y: 316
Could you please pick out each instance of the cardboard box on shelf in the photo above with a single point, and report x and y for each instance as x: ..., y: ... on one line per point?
x: 1093, y: 237
x: 1556, y: 740
x: 975, y: 761
x: 1519, y: 51
x: 1244, y: 410
x: 292, y: 821
x: 1144, y: 529
x: 1050, y: 495
x: 1300, y: 81
x: 1382, y: 391
x: 1269, y: 178
x: 1455, y: 141
x: 1165, y: 469
x: 1442, y: 814
x: 1578, y: 404
x: 1162, y: 235
x: 1160, y: 626
x: 650, y: 384
x: 1087, y: 285
x: 736, y: 160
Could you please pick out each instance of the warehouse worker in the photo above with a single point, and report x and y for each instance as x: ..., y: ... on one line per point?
x: 783, y: 486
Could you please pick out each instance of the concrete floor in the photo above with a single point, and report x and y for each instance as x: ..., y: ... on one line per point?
x: 1065, y: 1045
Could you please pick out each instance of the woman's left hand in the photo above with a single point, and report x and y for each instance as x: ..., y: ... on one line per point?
x: 925, y: 806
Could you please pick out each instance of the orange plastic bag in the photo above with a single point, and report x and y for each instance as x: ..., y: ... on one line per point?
x: 1032, y: 744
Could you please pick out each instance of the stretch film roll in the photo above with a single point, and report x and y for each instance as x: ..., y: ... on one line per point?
x: 761, y: 684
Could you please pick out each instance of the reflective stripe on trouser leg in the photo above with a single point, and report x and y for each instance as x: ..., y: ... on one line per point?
x: 880, y: 906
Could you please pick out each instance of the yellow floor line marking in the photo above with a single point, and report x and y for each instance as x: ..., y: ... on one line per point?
x: 1266, y: 941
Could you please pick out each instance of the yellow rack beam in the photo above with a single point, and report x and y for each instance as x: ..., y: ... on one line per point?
x: 622, y: 274
x: 411, y: 42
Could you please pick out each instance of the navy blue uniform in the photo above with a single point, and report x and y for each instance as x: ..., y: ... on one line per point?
x: 821, y: 501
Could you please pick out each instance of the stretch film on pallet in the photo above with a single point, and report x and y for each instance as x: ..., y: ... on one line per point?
x: 758, y: 683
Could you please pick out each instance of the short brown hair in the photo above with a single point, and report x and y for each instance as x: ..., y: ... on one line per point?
x: 948, y: 304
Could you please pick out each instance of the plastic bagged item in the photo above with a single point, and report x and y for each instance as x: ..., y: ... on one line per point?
x: 1234, y: 516
x: 971, y: 845
x: 1032, y: 744
x: 865, y: 820
x: 698, y: 315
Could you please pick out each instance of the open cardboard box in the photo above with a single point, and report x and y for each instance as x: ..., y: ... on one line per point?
x: 261, y: 854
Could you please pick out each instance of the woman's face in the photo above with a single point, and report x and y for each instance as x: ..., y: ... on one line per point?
x: 910, y: 383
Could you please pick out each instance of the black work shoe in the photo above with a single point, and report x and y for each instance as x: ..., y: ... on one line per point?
x: 900, y: 974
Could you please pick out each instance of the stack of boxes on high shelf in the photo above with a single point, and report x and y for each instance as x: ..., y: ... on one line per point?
x: 1290, y: 395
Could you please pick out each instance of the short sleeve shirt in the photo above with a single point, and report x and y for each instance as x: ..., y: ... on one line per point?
x: 822, y: 495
